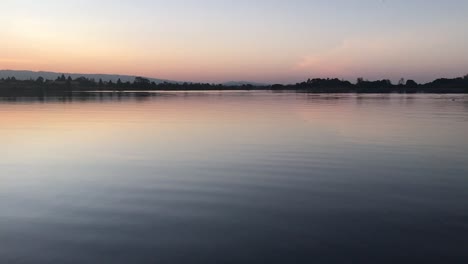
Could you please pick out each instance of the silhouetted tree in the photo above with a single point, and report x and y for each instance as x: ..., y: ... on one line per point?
x: 401, y: 81
x: 141, y: 82
x: 100, y: 84
x: 68, y: 82
x: 120, y: 85
x: 411, y: 83
x: 84, y: 82
x: 61, y: 78
x: 40, y: 80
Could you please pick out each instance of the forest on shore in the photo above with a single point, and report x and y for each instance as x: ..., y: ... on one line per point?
x: 41, y: 87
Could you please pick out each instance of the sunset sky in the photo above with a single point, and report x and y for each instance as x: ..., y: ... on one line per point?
x: 219, y: 40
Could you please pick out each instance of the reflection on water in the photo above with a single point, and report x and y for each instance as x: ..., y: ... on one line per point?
x: 234, y: 177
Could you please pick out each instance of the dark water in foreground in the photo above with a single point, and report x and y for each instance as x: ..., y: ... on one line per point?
x: 234, y: 177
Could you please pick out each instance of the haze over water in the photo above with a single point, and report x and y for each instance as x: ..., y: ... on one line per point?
x: 234, y: 177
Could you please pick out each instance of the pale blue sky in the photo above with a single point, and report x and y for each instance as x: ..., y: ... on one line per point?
x: 267, y: 41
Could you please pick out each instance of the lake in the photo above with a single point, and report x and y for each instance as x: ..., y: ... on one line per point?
x: 234, y: 177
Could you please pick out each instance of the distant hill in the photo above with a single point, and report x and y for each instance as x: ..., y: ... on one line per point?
x: 27, y: 75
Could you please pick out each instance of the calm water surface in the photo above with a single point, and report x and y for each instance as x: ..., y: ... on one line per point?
x: 234, y: 177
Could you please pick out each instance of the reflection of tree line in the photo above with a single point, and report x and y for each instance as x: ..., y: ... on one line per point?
x: 67, y: 97
x: 63, y: 85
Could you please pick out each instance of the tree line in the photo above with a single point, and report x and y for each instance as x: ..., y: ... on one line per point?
x: 64, y: 84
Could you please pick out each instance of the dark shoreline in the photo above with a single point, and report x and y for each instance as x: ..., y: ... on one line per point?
x: 10, y: 87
